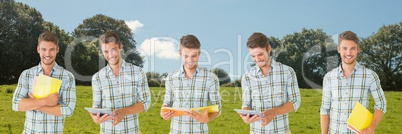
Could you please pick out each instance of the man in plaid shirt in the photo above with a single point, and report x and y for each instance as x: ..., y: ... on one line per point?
x: 120, y: 87
x: 190, y: 87
x: 269, y: 87
x: 347, y: 84
x: 45, y: 115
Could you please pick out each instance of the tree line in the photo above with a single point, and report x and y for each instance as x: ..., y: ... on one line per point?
x: 310, y: 52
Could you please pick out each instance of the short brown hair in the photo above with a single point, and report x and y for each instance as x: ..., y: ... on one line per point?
x: 257, y: 39
x: 48, y: 36
x: 109, y: 37
x: 348, y: 35
x: 190, y: 41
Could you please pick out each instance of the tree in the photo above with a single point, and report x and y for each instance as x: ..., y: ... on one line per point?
x: 306, y: 52
x: 382, y: 52
x: 222, y: 75
x: 99, y: 24
x: 20, y: 27
x: 86, y: 58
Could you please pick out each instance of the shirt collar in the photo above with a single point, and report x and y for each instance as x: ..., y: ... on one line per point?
x: 109, y: 69
x: 183, y: 73
x: 258, y: 71
x: 55, y: 68
x: 355, y: 68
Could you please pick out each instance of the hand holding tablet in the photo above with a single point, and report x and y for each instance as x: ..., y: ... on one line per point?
x: 251, y: 112
x: 101, y: 111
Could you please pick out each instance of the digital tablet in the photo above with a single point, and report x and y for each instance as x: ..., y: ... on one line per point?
x: 101, y: 111
x: 251, y: 112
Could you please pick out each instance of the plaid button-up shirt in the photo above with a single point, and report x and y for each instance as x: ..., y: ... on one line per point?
x: 261, y: 93
x: 201, y: 90
x: 340, y: 95
x: 111, y: 92
x: 40, y: 122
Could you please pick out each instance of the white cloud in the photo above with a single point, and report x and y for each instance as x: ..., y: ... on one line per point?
x: 161, y: 47
x: 134, y: 25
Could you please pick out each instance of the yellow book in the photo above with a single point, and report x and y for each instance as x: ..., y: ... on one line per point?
x: 360, y: 118
x: 182, y: 111
x: 211, y: 109
x: 45, y: 85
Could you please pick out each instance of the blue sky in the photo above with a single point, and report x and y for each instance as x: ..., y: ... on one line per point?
x: 221, y: 26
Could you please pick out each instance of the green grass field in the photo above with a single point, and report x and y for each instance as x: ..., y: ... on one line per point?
x: 305, y: 121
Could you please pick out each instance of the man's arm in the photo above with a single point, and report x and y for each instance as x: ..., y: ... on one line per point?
x: 293, y: 91
x: 144, y: 100
x: 97, y: 101
x: 376, y: 120
x: 53, y: 110
x: 325, y: 105
x: 27, y: 104
x: 324, y: 119
x: 293, y: 102
x: 270, y: 114
x: 246, y: 100
x: 380, y: 103
x: 215, y: 97
x: 23, y: 100
x: 167, y: 101
x: 66, y: 103
x: 143, y: 93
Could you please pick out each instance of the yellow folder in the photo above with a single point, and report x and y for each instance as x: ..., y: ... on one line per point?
x: 45, y: 85
x: 182, y: 111
x: 360, y: 118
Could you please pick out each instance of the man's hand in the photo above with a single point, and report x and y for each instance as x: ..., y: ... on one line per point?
x: 203, y: 118
x: 119, y: 114
x: 50, y: 100
x: 369, y: 130
x: 250, y: 119
x: 268, y: 116
x: 167, y: 115
x: 100, y: 119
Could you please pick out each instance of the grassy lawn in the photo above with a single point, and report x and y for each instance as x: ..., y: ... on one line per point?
x: 305, y: 120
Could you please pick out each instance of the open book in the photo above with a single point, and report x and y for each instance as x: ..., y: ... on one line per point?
x: 182, y: 111
x: 360, y: 118
x: 45, y: 85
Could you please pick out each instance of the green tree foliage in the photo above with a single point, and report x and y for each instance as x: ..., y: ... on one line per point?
x: 19, y: 30
x: 382, y: 52
x: 306, y: 52
x: 99, y: 24
x: 222, y: 75
x: 86, y: 58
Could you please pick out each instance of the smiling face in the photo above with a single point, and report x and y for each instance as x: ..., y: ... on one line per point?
x: 260, y: 56
x: 47, y: 51
x: 111, y: 52
x: 348, y: 51
x: 189, y: 57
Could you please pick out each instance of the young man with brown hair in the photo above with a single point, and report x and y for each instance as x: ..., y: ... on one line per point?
x: 269, y: 87
x: 120, y: 87
x: 191, y: 87
x: 347, y: 84
x: 45, y: 115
